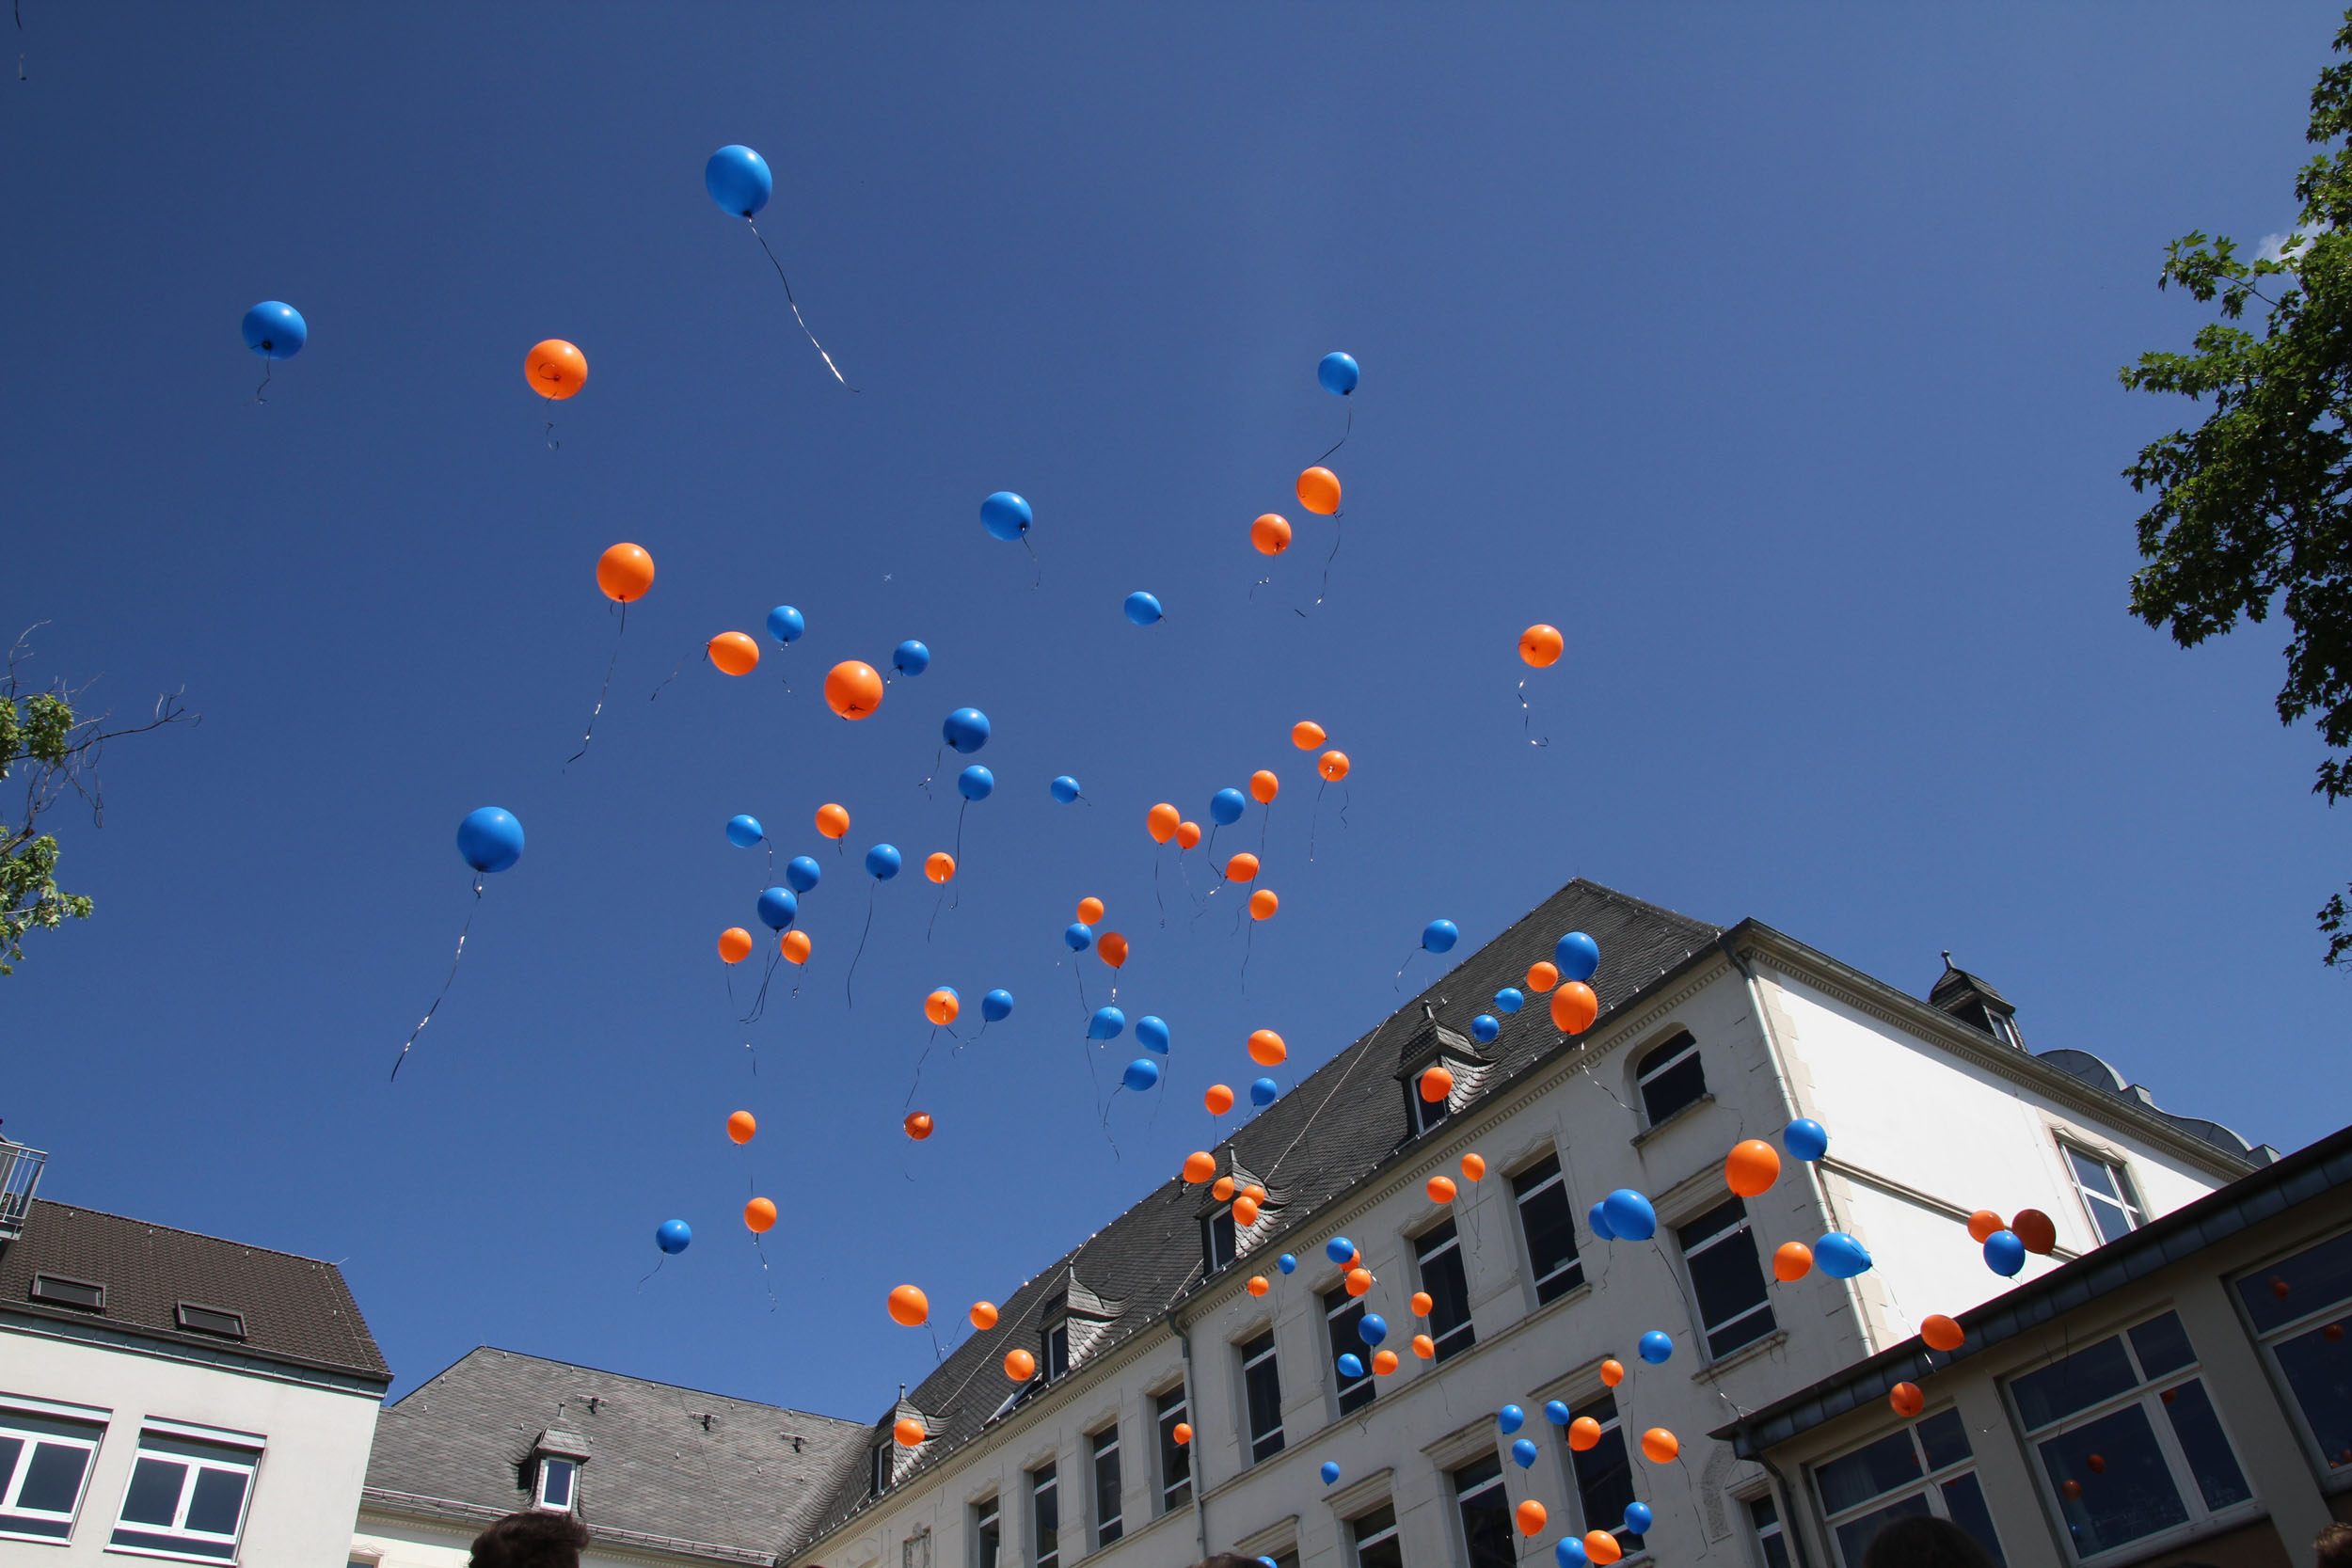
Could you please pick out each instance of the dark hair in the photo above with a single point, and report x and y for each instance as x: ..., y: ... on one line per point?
x: 1229, y: 1560
x: 1923, y: 1542
x: 536, y: 1538
x: 2333, y: 1547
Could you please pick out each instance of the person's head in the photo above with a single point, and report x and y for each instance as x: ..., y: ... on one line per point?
x: 1923, y: 1542
x: 1229, y: 1560
x: 2333, y: 1547
x: 533, y: 1539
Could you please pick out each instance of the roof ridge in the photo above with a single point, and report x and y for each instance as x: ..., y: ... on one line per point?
x: 40, y: 1203
x: 626, y: 1377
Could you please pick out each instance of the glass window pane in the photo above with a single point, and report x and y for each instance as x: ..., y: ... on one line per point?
x: 1485, y: 1508
x: 220, y: 1497
x: 2095, y: 1173
x: 991, y: 1535
x: 2128, y: 1494
x: 154, y: 1496
x: 1855, y: 1535
x: 1944, y: 1438
x: 10, y: 1450
x: 2163, y: 1345
x: 2206, y: 1447
x: 1963, y: 1503
x: 1858, y: 1477
x: 1604, y: 1474
x: 1549, y: 1225
x: 2317, y: 1365
x: 1680, y: 1085
x: 1442, y: 1278
x: 1344, y: 1315
x: 556, y: 1482
x: 53, y: 1478
x: 2309, y: 1282
x: 2078, y: 1383
x: 1728, y: 1281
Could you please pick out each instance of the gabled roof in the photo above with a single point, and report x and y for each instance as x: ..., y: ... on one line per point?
x: 1955, y: 986
x: 296, y: 1310
x: 666, y: 1466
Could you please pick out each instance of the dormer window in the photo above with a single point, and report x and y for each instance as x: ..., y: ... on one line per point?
x: 210, y: 1320
x: 1054, y: 1362
x: 558, y: 1484
x: 1436, y: 1047
x: 58, y: 1291
x: 1968, y: 998
x: 1219, y: 1245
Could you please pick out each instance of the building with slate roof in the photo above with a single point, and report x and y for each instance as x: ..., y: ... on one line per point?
x: 167, y: 1394
x: 658, y: 1474
x: 1191, y: 1388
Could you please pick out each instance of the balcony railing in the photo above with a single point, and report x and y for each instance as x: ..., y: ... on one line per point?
x: 19, y: 1174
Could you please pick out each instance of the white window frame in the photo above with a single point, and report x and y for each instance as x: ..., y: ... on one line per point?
x: 1342, y: 1385
x: 548, y: 1462
x: 1046, y: 1482
x: 2335, y: 1470
x: 1248, y: 1363
x: 1208, y: 1238
x: 1110, y: 1512
x: 1761, y: 1531
x: 157, y: 1439
x: 987, y: 1511
x: 1690, y: 1048
x: 36, y: 1423
x: 1929, y: 1484
x: 1167, y: 1413
x: 1428, y: 1114
x: 2134, y: 1212
x: 1495, y: 1483
x: 1357, y: 1542
x: 1741, y: 1227
x: 1423, y: 1255
x: 1574, y: 1262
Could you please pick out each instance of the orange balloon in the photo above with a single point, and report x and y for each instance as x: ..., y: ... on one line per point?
x: 1254, y: 1193
x: 1266, y: 1048
x: 940, y: 867
x: 1265, y: 786
x: 1792, y: 1261
x: 1474, y: 1166
x: 1540, y: 645
x: 1319, y: 491
x: 832, y: 820
x: 1750, y: 1167
x: 1262, y: 904
x: 984, y: 1315
x: 1112, y: 948
x: 1942, y: 1333
x: 1199, y: 1165
x: 918, y: 1125
x: 1332, y: 766
x: 796, y: 945
x: 1574, y: 1007
x: 1425, y: 1347
x: 1358, y: 1281
x: 2034, y: 1228
x: 852, y: 690
x: 1435, y: 1085
x: 1245, y: 1212
x: 735, y: 944
x: 1160, y: 822
x: 908, y: 1431
x: 1089, y: 911
x: 1222, y: 1189
x: 1659, y: 1445
x: 1020, y: 1365
x: 1612, y: 1371
x: 1541, y: 977
x: 1187, y: 834
x: 1383, y: 1362
x: 1532, y: 1517
x: 740, y: 1126
x: 1982, y: 1224
x: 555, y: 369
x: 1603, y: 1547
x: 1441, y: 1189
x: 1307, y: 734
x: 734, y: 652
x: 1220, y: 1100
x: 910, y: 1307
x: 1258, y: 1285
x: 760, y: 1215
x: 1180, y: 1433
x: 1271, y: 534
x: 941, y: 1006
x: 1583, y: 1433
x: 1906, y: 1399
x: 1241, y: 867
x: 625, y: 572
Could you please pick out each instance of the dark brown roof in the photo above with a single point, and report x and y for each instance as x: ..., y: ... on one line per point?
x: 296, y: 1309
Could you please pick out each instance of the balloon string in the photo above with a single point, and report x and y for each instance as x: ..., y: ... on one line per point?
x: 268, y: 362
x: 796, y: 304
x: 1346, y: 795
x: 1249, y: 944
x: 766, y: 1276
x: 861, y: 945
x: 1084, y: 1006
x: 759, y: 1003
x: 1115, y: 1090
x: 925, y: 1056
x: 1397, y: 984
x: 1527, y: 719
x: 1337, y: 534
x: 1314, y: 818
x: 673, y: 675
x: 1033, y: 561
x: 553, y: 445
x: 1159, y: 898
x: 935, y: 909
x: 1342, y: 441
x: 936, y: 758
x: 589, y: 734
x: 747, y: 1045
x: 446, y: 984
x: 655, y: 1269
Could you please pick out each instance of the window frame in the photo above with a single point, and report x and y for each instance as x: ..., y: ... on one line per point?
x: 1740, y: 1227
x: 1428, y: 1116
x: 1109, y: 1514
x: 37, y: 1428
x: 1928, y: 1484
x: 1462, y: 1495
x: 1337, y: 1304
x: 1463, y: 1334
x: 2126, y: 1196
x: 1221, y: 1215
x: 878, y: 1477
x: 1248, y: 1361
x: 1657, y: 1063
x: 1172, y: 1407
x: 2334, y: 1472
x: 1044, y: 1491
x: 988, y: 1532
x: 1763, y: 1533
x: 548, y: 1463
x: 1611, y: 1427
x: 1568, y: 1274
x: 1358, y: 1539
x: 230, y: 1453
x: 1053, y: 1357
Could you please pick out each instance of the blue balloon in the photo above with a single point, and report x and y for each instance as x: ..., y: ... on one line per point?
x: 737, y: 179
x: 1079, y: 936
x: 1485, y: 1027
x: 1330, y: 1468
x: 674, y: 1236
x: 1576, y: 956
x: 1151, y: 1034
x: 1510, y: 1419
x: 1338, y: 374
x: 1141, y: 1074
x: 882, y: 862
x: 276, y: 330
x: 966, y: 729
x: 911, y: 658
x: 1805, y: 1138
x: 1597, y: 1218
x: 1440, y: 936
x: 744, y: 831
x: 803, y: 873
x: 996, y: 1006
x: 1657, y: 1347
x: 785, y: 624
x: 1107, y: 1024
x: 1638, y: 1519
x: 2004, y: 1253
x: 1006, y: 516
x: 490, y: 839
x: 1523, y: 1452
x: 1142, y: 609
x: 1569, y: 1552
x: 1629, y: 1215
x: 777, y: 907
x: 1264, y: 1091
x: 1373, y: 1329
x: 1226, y: 806
x: 1556, y: 1413
x: 975, y: 783
x: 1287, y: 1262
x: 1840, y: 1256
x: 1339, y: 1249
x: 1350, y: 1367
x: 1065, y: 789
x: 1510, y: 999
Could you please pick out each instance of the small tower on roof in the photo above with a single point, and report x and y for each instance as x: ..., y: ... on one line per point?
x: 1972, y: 1000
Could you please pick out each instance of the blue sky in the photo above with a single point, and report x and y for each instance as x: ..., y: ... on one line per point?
x: 1771, y: 354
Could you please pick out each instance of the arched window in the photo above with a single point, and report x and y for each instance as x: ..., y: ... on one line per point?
x: 1670, y: 1078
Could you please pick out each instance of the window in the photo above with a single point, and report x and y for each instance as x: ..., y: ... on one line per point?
x: 557, y: 1482
x: 1485, y: 1510
x: 1217, y: 1239
x: 1174, y: 1409
x: 1604, y: 1475
x: 2107, y: 1195
x: 1426, y: 1113
x: 1671, y: 1079
x: 2295, y: 1308
x: 1771, y: 1542
x: 186, y: 1497
x: 2129, y: 1443
x: 1053, y: 1349
x: 1375, y: 1535
x: 1439, y: 1253
x: 43, y: 1463
x: 1044, y: 1518
x: 1343, y: 1316
x: 210, y: 1320
x: 1547, y: 1224
x: 1261, y: 1385
x: 57, y: 1291
x: 1106, y: 1509
x: 1924, y: 1468
x: 988, y: 1534
x: 879, y: 1482
x: 1734, y: 1306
